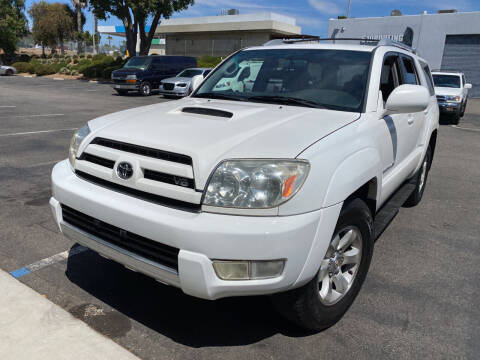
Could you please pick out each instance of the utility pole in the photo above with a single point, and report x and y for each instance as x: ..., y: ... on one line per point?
x: 95, y: 21
x: 348, y: 9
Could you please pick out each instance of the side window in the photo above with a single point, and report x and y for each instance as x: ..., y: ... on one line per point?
x: 428, y: 77
x: 410, y: 73
x: 389, y: 79
x: 156, y: 65
x: 463, y: 80
x: 206, y: 73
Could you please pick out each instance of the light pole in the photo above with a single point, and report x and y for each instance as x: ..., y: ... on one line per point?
x: 348, y: 8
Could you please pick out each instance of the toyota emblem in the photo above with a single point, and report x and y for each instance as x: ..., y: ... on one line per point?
x: 125, y: 170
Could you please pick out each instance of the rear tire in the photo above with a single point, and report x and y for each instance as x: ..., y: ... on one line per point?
x: 324, y: 300
x: 463, y: 109
x: 456, y: 119
x: 420, y: 180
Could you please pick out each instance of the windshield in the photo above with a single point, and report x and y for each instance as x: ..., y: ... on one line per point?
x: 333, y: 79
x: 189, y: 73
x: 138, y: 63
x: 450, y: 81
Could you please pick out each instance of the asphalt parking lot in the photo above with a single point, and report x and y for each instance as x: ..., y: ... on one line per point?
x: 421, y: 298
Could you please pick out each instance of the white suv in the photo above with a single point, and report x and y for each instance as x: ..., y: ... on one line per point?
x: 278, y: 189
x: 452, y: 93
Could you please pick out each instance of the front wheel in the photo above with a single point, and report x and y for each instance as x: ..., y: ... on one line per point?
x: 9, y: 72
x: 324, y: 300
x: 146, y: 89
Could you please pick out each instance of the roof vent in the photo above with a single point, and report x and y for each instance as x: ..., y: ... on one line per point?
x: 447, y: 11
x: 396, y: 12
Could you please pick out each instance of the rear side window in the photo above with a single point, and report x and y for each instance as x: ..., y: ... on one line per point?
x: 410, y: 73
x: 428, y: 77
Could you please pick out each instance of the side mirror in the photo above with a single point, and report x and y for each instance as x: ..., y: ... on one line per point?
x: 468, y: 86
x: 407, y: 99
x: 195, y: 82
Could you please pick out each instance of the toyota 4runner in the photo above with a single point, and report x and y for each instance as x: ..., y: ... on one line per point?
x: 278, y: 188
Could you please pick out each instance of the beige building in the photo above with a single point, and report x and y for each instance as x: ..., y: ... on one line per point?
x: 215, y: 35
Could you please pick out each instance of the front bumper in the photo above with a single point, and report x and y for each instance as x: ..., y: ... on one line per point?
x: 126, y: 86
x: 201, y: 238
x: 449, y: 107
x: 177, y: 91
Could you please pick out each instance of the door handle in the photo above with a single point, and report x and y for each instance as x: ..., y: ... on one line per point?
x: 410, y: 119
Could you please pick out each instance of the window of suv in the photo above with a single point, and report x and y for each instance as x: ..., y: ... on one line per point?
x: 390, y: 77
x: 323, y: 78
x: 409, y: 72
x: 450, y: 81
x: 139, y: 62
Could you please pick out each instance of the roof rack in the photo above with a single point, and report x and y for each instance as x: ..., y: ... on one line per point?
x: 447, y: 70
x: 363, y: 41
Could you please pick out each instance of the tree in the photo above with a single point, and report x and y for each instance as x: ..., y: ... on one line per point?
x: 52, y: 24
x: 13, y: 24
x: 134, y: 15
x: 79, y: 5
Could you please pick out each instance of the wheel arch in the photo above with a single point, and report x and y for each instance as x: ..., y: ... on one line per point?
x: 432, y: 143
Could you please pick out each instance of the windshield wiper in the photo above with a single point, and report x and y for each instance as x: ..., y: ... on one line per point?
x: 212, y: 95
x: 287, y: 100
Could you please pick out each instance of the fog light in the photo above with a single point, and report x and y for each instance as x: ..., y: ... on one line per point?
x: 248, y: 270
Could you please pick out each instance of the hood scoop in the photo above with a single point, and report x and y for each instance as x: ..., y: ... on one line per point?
x: 207, y: 111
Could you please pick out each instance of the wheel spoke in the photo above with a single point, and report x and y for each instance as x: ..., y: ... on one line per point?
x: 346, y: 240
x: 351, y: 256
x: 326, y: 289
x: 341, y: 283
x: 323, y: 270
x: 335, y: 241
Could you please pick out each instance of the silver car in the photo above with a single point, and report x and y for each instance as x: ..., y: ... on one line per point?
x: 7, y: 70
x: 179, y: 85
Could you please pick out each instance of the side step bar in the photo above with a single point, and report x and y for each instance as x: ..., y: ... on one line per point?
x: 391, y: 207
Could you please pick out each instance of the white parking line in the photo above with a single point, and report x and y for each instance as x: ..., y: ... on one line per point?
x: 37, y: 132
x: 7, y: 106
x: 40, y: 115
x: 464, y: 128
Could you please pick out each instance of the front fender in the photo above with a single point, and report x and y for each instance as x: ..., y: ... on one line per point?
x: 353, y: 172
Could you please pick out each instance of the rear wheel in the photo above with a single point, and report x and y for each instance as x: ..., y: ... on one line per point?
x: 146, y: 89
x: 463, y: 109
x: 324, y: 300
x: 420, y: 180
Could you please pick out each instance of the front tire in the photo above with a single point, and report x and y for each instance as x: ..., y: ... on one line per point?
x: 324, y: 300
x: 145, y: 88
x: 420, y: 180
x: 9, y: 72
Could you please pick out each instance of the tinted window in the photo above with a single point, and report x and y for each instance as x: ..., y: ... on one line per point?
x: 206, y: 72
x: 333, y: 79
x: 410, y: 73
x: 390, y: 77
x: 451, y: 81
x: 428, y: 76
x: 138, y: 63
x: 190, y: 73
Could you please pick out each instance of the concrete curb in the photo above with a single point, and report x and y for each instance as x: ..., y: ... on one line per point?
x: 33, y: 327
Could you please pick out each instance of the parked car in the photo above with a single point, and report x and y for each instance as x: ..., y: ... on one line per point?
x: 180, y: 85
x: 280, y: 188
x: 452, y: 93
x: 7, y: 70
x: 144, y: 73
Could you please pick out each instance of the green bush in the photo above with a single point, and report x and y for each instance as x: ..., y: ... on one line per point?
x: 75, y: 61
x: 65, y: 71
x: 89, y: 56
x: 98, y: 57
x: 42, y: 70
x: 75, y: 57
x: 21, y: 66
x: 58, y: 66
x: 74, y: 72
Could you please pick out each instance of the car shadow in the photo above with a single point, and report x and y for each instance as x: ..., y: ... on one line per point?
x: 167, y: 310
x: 446, y: 120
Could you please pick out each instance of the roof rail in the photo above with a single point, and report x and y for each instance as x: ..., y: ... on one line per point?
x: 389, y: 42
x: 363, y: 41
x: 447, y: 70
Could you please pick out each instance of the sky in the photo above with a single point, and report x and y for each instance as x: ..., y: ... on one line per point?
x: 311, y: 15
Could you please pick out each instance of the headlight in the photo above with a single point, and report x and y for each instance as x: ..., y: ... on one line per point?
x: 453, y: 98
x: 131, y: 78
x: 182, y: 85
x: 77, y: 139
x: 255, y: 184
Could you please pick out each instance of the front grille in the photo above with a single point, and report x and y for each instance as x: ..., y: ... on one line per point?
x: 440, y: 98
x: 97, y: 160
x: 139, y: 245
x: 168, y: 86
x: 142, y: 150
x: 157, y: 199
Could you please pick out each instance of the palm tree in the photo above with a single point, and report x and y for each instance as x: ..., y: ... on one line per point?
x: 79, y: 5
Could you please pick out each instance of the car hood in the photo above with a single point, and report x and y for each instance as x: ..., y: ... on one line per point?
x: 178, y: 79
x: 254, y: 130
x: 448, y: 91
